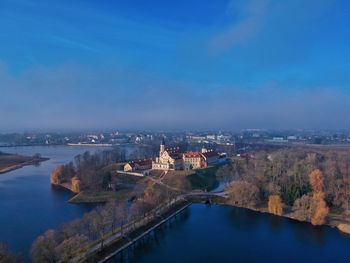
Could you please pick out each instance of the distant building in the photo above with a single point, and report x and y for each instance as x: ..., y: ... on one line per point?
x: 211, y: 137
x: 169, y: 159
x: 198, y: 138
x: 278, y: 139
x: 173, y: 159
x: 210, y: 157
x: 193, y: 160
x: 223, y: 137
x: 137, y: 166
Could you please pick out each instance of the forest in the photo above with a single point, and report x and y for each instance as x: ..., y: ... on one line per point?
x: 304, y: 183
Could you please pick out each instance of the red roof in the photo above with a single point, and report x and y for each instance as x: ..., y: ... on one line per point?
x: 210, y: 154
x: 141, y: 162
x: 192, y: 155
x: 175, y: 155
x: 173, y: 150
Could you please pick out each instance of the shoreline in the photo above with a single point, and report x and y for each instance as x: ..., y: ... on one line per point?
x: 64, y: 186
x: 333, y: 220
x: 28, y: 145
x: 343, y: 226
x: 21, y: 165
x: 118, y: 245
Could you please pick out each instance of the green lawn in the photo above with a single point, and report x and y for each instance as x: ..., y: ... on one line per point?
x: 204, y: 179
x: 102, y: 196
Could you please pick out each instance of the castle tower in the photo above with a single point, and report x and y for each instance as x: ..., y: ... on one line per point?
x: 162, y: 147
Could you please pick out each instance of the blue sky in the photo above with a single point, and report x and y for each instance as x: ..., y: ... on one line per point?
x: 194, y: 64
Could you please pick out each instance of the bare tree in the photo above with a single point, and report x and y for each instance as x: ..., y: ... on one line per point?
x: 70, y: 247
x: 243, y: 193
x: 43, y: 248
x: 302, y: 208
x: 342, y: 197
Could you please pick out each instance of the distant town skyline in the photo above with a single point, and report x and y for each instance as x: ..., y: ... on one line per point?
x: 207, y: 65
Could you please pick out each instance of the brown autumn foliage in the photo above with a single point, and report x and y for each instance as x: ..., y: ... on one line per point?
x: 243, y: 193
x: 319, y: 208
x: 275, y: 205
x: 76, y: 185
x: 316, y: 181
x: 55, y: 175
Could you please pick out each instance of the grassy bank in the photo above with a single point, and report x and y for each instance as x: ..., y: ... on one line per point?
x: 204, y: 179
x: 101, y: 196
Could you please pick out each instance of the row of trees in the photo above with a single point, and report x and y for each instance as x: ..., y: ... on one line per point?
x: 306, y: 180
x: 310, y: 207
x: 72, y: 238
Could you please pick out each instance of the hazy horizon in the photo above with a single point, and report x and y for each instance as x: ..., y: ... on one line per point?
x: 186, y: 65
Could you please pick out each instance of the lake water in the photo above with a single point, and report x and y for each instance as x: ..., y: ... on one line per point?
x: 28, y: 204
x: 227, y: 234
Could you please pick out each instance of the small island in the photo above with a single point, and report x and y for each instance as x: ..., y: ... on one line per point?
x: 10, y: 162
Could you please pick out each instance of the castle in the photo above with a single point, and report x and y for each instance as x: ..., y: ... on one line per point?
x: 169, y: 159
x: 173, y: 159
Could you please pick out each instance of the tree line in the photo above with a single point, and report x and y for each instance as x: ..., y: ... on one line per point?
x: 75, y: 237
x: 93, y: 171
x: 305, y: 181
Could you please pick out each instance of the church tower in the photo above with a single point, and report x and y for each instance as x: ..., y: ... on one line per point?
x: 162, y: 147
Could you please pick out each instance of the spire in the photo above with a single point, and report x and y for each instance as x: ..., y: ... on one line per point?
x: 162, y: 147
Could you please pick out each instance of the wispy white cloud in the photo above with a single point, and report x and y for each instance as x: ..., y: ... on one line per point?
x: 73, y: 43
x: 251, y: 15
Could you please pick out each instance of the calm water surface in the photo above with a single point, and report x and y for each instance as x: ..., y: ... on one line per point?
x: 227, y: 234
x: 28, y: 204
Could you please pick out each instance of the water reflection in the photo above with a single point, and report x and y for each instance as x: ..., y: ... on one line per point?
x: 227, y: 234
x: 308, y: 234
x: 274, y: 223
x: 154, y: 241
x: 242, y: 219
